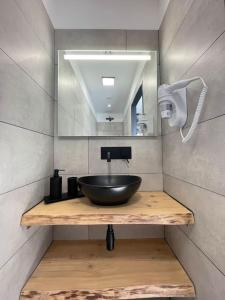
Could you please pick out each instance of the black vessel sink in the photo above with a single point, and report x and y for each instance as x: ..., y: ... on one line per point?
x: 109, y: 190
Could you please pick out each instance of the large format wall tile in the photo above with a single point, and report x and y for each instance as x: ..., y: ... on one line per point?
x: 20, y: 43
x: 204, y: 23
x: 22, y: 101
x: 142, y: 39
x: 171, y: 24
x: 98, y: 232
x: 39, y: 21
x: 26, y: 157
x: 211, y: 67
x: 71, y: 155
x: 201, y: 160
x: 84, y: 39
x: 14, y: 274
x: 208, y: 280
x: 127, y: 232
x: 70, y: 232
x: 100, y: 39
x: 12, y: 206
x: 151, y: 182
x: 208, y: 232
x: 146, y: 156
x: 213, y: 60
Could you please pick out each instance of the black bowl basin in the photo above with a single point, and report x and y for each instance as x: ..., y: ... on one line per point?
x: 109, y: 190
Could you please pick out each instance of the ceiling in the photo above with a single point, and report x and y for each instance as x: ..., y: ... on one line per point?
x: 106, y: 14
x: 100, y: 96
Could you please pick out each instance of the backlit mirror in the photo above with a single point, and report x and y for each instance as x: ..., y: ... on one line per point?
x: 107, y: 93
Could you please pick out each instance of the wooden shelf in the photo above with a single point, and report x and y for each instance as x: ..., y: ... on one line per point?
x: 143, y: 208
x: 85, y: 270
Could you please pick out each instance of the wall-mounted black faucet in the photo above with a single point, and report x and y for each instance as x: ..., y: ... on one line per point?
x: 108, y: 156
x: 109, y: 153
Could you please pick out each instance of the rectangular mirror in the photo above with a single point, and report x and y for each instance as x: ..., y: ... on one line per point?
x: 107, y: 93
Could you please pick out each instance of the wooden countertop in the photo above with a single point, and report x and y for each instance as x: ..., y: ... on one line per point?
x: 136, y: 269
x: 143, y: 208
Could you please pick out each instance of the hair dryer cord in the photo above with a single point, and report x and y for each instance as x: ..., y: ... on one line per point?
x: 197, y: 113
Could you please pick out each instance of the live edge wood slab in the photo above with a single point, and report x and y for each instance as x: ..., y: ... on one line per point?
x: 84, y: 270
x: 143, y: 208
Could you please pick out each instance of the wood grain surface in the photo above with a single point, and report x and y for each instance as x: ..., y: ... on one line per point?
x: 143, y: 208
x: 85, y: 270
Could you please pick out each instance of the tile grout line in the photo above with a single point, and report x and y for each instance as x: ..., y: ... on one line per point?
x: 199, y: 123
x: 18, y: 249
x: 33, y: 28
x: 201, y: 251
x: 203, y: 51
x: 203, y: 188
x: 22, y: 186
x: 178, y: 29
x: 176, y: 256
x: 28, y: 129
x: 189, y: 238
x: 26, y: 72
x: 201, y: 55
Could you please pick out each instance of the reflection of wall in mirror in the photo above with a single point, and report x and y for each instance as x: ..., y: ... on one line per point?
x: 148, y: 80
x: 114, y: 127
x: 74, y: 113
x: 110, y: 129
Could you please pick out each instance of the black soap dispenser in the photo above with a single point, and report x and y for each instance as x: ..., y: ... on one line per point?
x: 56, y: 186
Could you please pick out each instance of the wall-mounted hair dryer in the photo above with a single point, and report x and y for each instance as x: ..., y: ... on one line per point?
x: 173, y: 105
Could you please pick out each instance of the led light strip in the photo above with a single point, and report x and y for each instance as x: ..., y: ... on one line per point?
x: 140, y: 57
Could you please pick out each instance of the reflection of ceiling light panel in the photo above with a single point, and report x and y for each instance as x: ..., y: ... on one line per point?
x: 136, y: 57
x: 108, y: 81
x: 109, y: 105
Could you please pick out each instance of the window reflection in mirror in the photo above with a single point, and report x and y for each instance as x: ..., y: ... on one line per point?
x: 107, y: 93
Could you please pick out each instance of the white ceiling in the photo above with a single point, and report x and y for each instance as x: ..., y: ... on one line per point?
x: 106, y: 14
x: 92, y: 73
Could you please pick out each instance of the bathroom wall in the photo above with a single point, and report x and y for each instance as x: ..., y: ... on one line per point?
x: 192, y: 43
x: 110, y: 129
x: 74, y: 112
x: 26, y: 136
x: 81, y: 156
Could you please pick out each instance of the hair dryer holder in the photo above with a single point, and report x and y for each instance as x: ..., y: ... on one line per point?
x: 179, y: 108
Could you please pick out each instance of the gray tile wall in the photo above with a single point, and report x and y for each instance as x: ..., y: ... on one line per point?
x: 110, y: 129
x: 74, y: 113
x: 192, y: 43
x: 81, y: 156
x: 26, y: 136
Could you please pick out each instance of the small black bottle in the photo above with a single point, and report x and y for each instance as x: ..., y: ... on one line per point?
x: 56, y: 185
x: 72, y: 186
